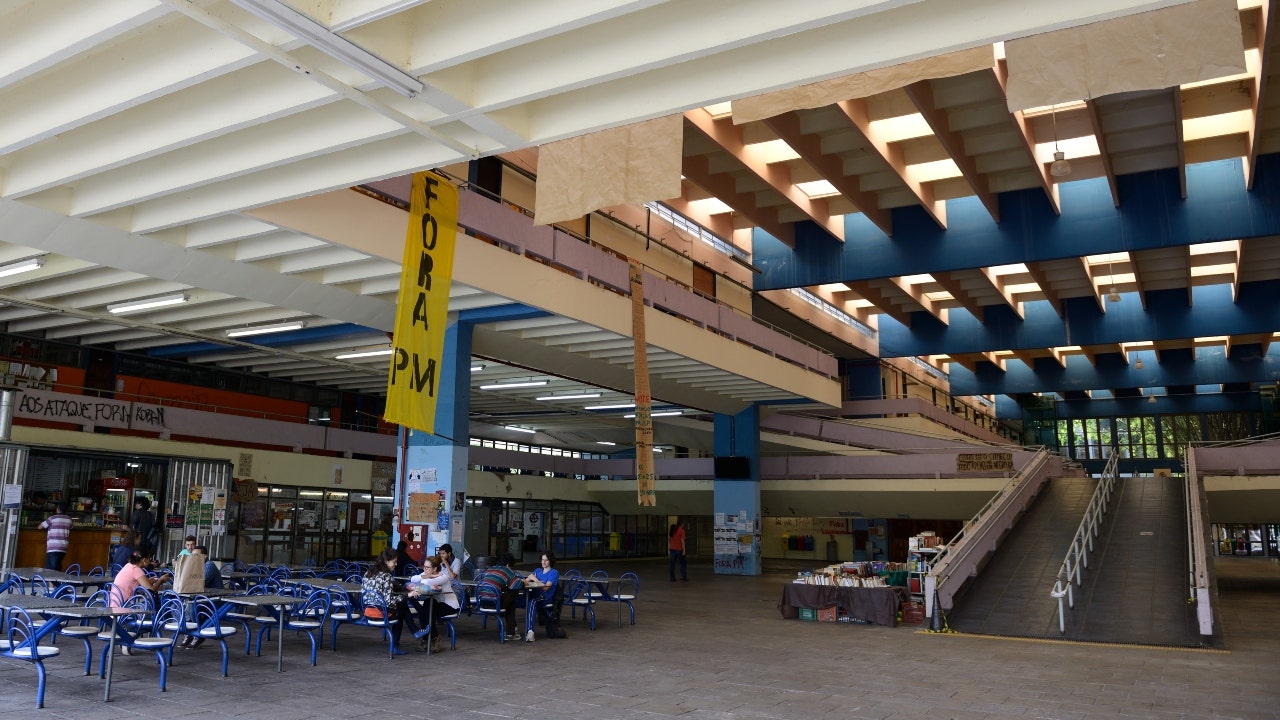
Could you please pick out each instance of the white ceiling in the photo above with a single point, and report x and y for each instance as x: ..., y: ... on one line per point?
x: 135, y: 135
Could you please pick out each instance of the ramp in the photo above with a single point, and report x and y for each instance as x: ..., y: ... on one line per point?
x: 1136, y: 586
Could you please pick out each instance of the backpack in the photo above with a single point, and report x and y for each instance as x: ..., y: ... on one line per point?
x: 555, y: 630
x: 155, y: 536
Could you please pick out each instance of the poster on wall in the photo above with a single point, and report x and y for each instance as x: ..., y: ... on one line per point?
x: 455, y: 532
x: 219, y: 522
x: 423, y: 508
x: 725, y: 540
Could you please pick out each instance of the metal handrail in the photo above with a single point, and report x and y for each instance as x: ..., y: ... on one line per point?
x: 1197, y: 553
x: 1077, y: 559
x: 939, y: 570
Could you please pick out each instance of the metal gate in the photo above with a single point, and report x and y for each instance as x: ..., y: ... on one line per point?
x: 13, y: 469
x: 197, y: 492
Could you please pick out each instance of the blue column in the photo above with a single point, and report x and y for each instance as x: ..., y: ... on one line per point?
x: 736, y: 501
x: 442, y: 455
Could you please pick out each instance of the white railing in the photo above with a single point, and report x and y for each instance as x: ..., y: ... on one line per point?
x: 1077, y: 559
x: 960, y: 557
x: 1197, y: 553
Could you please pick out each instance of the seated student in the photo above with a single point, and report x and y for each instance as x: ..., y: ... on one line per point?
x: 440, y: 601
x: 128, y: 546
x: 378, y: 587
x: 543, y: 583
x: 133, y: 576
x: 188, y: 545
x: 212, y: 580
x: 508, y: 585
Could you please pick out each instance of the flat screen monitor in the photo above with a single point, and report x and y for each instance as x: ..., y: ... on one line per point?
x: 733, y: 467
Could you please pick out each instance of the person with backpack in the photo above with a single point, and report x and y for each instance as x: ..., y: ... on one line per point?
x: 145, y: 523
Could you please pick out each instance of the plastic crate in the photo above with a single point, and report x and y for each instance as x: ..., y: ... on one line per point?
x: 827, y: 614
x: 809, y: 614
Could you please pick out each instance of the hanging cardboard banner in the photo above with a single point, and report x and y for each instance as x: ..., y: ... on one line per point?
x: 646, y: 478
x: 422, y: 306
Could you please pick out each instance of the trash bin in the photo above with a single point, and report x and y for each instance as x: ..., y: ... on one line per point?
x: 832, y: 553
x: 378, y: 542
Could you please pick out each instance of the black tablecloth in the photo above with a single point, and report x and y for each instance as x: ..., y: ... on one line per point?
x: 877, y: 605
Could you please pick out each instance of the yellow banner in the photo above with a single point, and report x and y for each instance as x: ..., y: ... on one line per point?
x: 422, y: 307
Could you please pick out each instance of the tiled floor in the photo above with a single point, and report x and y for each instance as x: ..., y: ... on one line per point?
x: 714, y: 647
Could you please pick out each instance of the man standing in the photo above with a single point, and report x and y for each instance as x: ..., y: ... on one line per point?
x: 55, y: 546
x: 142, y: 520
x: 675, y: 547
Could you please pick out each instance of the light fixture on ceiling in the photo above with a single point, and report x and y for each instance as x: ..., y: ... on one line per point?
x: 616, y: 406
x: 335, y: 46
x: 477, y: 368
x: 605, y: 442
x: 664, y: 413
x: 1137, y: 364
x: 363, y: 354
x: 581, y: 396
x: 21, y: 266
x: 520, y: 429
x: 147, y: 304
x: 265, y: 329
x: 1060, y: 167
x: 504, y: 386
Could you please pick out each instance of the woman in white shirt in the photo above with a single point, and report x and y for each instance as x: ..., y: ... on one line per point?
x: 438, y: 599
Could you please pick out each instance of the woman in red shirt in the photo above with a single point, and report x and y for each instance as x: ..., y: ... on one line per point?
x: 675, y: 544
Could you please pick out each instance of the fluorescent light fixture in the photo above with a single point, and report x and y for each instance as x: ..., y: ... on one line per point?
x: 265, y: 329
x: 364, y: 354
x: 503, y: 386
x: 477, y: 368
x: 335, y: 46
x: 148, y: 304
x: 21, y: 266
x: 605, y: 442
x: 665, y: 413
x: 621, y: 406
x: 583, y: 396
x: 519, y: 429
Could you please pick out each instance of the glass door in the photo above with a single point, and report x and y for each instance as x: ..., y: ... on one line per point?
x: 308, y: 546
x: 336, y: 525
x: 281, y: 508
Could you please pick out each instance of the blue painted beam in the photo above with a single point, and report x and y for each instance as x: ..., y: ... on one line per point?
x: 1207, y: 366
x: 1152, y: 215
x: 1166, y: 317
x: 1164, y: 405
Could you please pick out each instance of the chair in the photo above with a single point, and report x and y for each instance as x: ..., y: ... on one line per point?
x: 210, y: 627
x: 628, y: 589
x: 62, y: 592
x: 170, y: 618
x: 38, y: 586
x: 19, y: 643
x: 468, y: 570
x: 575, y: 596
x: 86, y: 630
x: 73, y: 569
x: 97, y: 571
x: 249, y: 614
x: 342, y: 609
x: 309, y: 618
x: 384, y: 623
x: 598, y: 591
x: 489, y: 604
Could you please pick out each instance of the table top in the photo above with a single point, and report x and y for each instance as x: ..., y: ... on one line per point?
x: 80, y: 611
x: 55, y: 576
x: 323, y: 583
x: 34, y: 602
x: 260, y: 600
x: 209, y: 592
